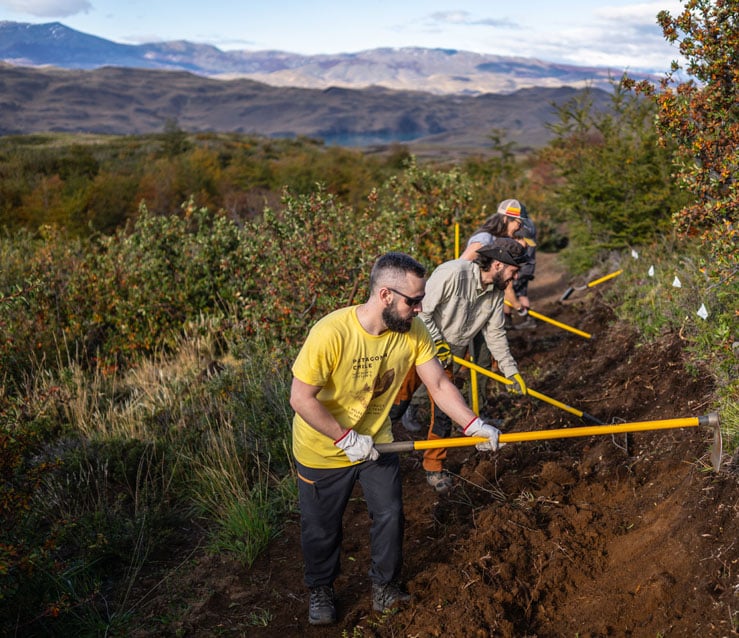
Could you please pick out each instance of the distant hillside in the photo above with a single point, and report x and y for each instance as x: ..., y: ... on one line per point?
x: 133, y: 101
x: 440, y: 71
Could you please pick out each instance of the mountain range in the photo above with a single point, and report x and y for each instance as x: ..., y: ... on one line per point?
x: 440, y: 71
x: 57, y: 79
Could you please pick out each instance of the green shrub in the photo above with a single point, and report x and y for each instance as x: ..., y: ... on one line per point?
x: 656, y: 306
x: 616, y: 188
x: 94, y: 514
x: 420, y: 207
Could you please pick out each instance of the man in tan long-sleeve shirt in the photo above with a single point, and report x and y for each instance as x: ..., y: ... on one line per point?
x: 463, y: 298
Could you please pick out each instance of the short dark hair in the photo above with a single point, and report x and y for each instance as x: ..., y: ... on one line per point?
x: 394, y: 264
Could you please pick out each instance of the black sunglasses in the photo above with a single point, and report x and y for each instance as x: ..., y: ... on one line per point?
x: 411, y: 301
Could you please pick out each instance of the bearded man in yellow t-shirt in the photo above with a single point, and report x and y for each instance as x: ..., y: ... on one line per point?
x: 345, y: 379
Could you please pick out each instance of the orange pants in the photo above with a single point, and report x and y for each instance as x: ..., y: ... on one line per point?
x: 440, y: 426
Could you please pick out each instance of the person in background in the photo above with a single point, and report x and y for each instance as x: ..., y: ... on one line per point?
x: 464, y: 298
x: 526, y: 235
x: 505, y: 222
x: 345, y: 379
x: 508, y: 221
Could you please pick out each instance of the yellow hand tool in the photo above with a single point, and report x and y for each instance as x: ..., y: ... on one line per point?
x: 554, y: 322
x: 572, y: 289
x: 710, y: 420
x: 530, y: 392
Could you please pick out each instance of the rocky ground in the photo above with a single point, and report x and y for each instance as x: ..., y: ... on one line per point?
x: 627, y: 535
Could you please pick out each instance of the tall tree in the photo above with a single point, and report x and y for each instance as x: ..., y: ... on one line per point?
x: 614, y: 186
x: 701, y: 115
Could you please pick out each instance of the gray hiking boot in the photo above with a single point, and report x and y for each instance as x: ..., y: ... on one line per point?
x: 440, y: 481
x: 409, y: 420
x: 387, y: 596
x: 321, y: 608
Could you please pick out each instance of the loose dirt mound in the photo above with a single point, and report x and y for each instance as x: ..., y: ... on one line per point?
x: 602, y: 536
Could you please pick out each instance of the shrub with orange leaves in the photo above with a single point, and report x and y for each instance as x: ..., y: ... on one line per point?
x: 701, y: 115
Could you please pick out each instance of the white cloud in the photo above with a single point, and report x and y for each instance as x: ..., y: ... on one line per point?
x: 48, y: 8
x: 450, y: 17
x: 464, y: 18
x: 621, y: 37
x: 639, y: 13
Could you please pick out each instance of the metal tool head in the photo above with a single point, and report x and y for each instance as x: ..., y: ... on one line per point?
x: 717, y: 449
x: 567, y: 293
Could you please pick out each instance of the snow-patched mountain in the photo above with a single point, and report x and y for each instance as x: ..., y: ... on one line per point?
x: 439, y: 71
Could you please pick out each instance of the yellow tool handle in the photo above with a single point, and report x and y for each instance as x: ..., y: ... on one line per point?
x: 604, y: 278
x: 433, y: 444
x: 554, y: 322
x: 563, y: 433
x: 592, y: 430
x: 530, y: 391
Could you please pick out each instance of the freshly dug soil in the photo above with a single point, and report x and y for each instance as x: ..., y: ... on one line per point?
x: 629, y: 535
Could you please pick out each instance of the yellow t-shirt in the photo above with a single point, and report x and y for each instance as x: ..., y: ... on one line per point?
x: 359, y: 375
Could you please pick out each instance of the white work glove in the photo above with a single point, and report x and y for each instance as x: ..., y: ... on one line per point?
x: 478, y: 427
x: 358, y: 447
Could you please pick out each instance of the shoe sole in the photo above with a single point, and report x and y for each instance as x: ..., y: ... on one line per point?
x: 316, y: 623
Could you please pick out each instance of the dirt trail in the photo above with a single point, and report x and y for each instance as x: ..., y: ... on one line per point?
x: 601, y: 536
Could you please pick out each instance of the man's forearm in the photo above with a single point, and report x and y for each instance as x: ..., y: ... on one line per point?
x: 319, y: 418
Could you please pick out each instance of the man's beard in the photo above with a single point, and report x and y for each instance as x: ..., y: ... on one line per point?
x: 394, y: 322
x: 498, y: 282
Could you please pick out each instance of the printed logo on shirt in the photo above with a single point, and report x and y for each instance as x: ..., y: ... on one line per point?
x: 366, y: 367
x: 383, y: 383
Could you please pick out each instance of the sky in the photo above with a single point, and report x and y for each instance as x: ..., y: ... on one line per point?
x: 620, y: 34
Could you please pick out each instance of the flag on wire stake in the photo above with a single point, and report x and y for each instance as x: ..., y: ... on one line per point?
x: 676, y: 283
x: 650, y: 272
x: 702, y: 312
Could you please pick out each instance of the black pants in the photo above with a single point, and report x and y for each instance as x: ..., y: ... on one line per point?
x: 324, y: 494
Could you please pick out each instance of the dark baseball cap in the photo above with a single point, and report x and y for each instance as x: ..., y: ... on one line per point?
x: 507, y: 251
